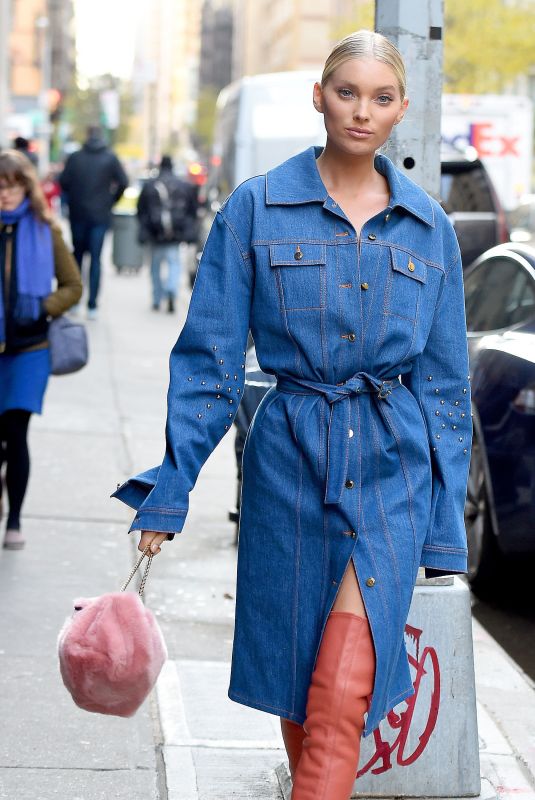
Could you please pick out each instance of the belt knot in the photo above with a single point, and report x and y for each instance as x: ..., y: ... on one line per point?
x: 338, y: 435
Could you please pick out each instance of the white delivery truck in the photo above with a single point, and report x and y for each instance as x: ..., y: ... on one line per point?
x: 261, y: 121
x: 499, y: 128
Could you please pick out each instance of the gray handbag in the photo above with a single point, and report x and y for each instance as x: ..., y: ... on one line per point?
x: 67, y: 341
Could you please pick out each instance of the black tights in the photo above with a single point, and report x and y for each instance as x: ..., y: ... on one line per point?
x: 15, y: 454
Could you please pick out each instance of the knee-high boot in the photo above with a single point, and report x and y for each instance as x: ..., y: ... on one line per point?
x: 293, y: 735
x: 341, y: 684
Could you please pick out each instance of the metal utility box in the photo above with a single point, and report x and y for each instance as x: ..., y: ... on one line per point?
x: 428, y: 745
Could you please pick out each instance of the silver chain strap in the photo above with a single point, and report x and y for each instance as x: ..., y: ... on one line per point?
x: 146, y: 552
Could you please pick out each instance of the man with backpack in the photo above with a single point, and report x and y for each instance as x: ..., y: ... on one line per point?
x: 167, y: 216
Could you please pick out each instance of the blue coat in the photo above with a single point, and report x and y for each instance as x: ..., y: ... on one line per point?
x: 360, y: 452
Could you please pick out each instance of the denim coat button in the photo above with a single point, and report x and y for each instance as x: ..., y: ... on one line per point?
x: 364, y: 286
x: 370, y: 582
x: 349, y: 484
x: 372, y: 237
x: 351, y: 337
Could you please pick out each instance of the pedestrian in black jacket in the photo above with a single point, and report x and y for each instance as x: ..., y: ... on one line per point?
x: 167, y: 216
x: 93, y: 180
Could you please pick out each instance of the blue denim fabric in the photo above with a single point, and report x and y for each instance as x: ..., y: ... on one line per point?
x: 170, y: 254
x: 338, y: 318
x: 88, y: 237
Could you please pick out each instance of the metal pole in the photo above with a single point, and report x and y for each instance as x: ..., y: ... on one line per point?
x: 417, y: 32
x: 45, y: 128
x: 5, y: 94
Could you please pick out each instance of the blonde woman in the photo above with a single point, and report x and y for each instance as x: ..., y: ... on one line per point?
x: 354, y: 472
x: 32, y: 255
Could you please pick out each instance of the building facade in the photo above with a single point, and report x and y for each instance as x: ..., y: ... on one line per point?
x: 217, y: 22
x: 166, y: 75
x: 41, y: 47
x: 281, y: 35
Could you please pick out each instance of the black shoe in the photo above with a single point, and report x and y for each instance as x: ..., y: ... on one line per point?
x: 171, y: 304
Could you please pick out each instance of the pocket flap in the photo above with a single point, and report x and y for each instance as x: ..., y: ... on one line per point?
x: 408, y: 265
x: 297, y: 254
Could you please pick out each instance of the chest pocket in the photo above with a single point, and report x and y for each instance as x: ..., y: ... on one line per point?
x: 409, y: 276
x: 402, y: 302
x: 300, y: 269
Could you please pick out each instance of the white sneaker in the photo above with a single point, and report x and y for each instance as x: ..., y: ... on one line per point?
x: 92, y: 313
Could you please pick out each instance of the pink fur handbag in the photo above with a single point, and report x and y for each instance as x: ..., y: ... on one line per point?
x: 111, y: 650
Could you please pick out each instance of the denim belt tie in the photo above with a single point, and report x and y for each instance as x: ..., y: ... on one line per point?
x: 338, y: 398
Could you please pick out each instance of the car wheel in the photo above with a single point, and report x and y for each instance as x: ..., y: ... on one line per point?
x: 483, y: 553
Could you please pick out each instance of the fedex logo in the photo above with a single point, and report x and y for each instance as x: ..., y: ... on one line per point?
x: 484, y: 137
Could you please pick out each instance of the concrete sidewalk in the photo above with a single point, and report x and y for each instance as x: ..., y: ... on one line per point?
x: 189, y: 742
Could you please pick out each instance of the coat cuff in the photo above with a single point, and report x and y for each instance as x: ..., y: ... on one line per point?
x: 135, y: 491
x: 445, y: 560
x: 161, y: 520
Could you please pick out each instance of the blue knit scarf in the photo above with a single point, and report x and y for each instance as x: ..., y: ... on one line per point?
x: 34, y: 266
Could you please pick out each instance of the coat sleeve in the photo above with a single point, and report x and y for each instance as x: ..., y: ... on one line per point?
x: 69, y: 281
x: 441, y: 384
x: 207, y: 375
x: 143, y: 215
x: 119, y: 179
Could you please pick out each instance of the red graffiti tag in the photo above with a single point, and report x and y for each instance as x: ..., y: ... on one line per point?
x: 401, y: 722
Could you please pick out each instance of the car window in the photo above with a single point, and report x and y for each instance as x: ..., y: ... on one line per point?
x: 465, y: 188
x: 498, y: 293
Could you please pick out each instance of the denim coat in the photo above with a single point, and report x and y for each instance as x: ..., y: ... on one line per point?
x: 359, y: 453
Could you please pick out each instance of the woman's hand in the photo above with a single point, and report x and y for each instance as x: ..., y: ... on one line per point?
x: 153, y: 539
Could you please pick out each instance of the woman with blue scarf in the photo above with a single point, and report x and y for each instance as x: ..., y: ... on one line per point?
x: 33, y: 257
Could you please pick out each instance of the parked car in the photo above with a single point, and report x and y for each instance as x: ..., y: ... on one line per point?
x: 468, y: 197
x: 522, y: 221
x: 500, y: 507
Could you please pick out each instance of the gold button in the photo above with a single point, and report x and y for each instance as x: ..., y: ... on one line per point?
x: 351, y: 337
x: 298, y: 255
x: 411, y: 266
x: 349, y: 484
x: 370, y: 582
x: 364, y: 286
x: 372, y: 237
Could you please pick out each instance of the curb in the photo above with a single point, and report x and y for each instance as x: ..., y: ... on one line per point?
x: 214, y: 747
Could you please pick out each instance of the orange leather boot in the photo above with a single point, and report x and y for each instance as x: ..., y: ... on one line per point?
x: 293, y: 735
x: 341, y: 684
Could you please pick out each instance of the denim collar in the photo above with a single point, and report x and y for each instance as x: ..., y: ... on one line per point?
x: 298, y: 181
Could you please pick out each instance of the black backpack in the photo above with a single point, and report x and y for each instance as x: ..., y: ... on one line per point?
x: 171, y: 212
